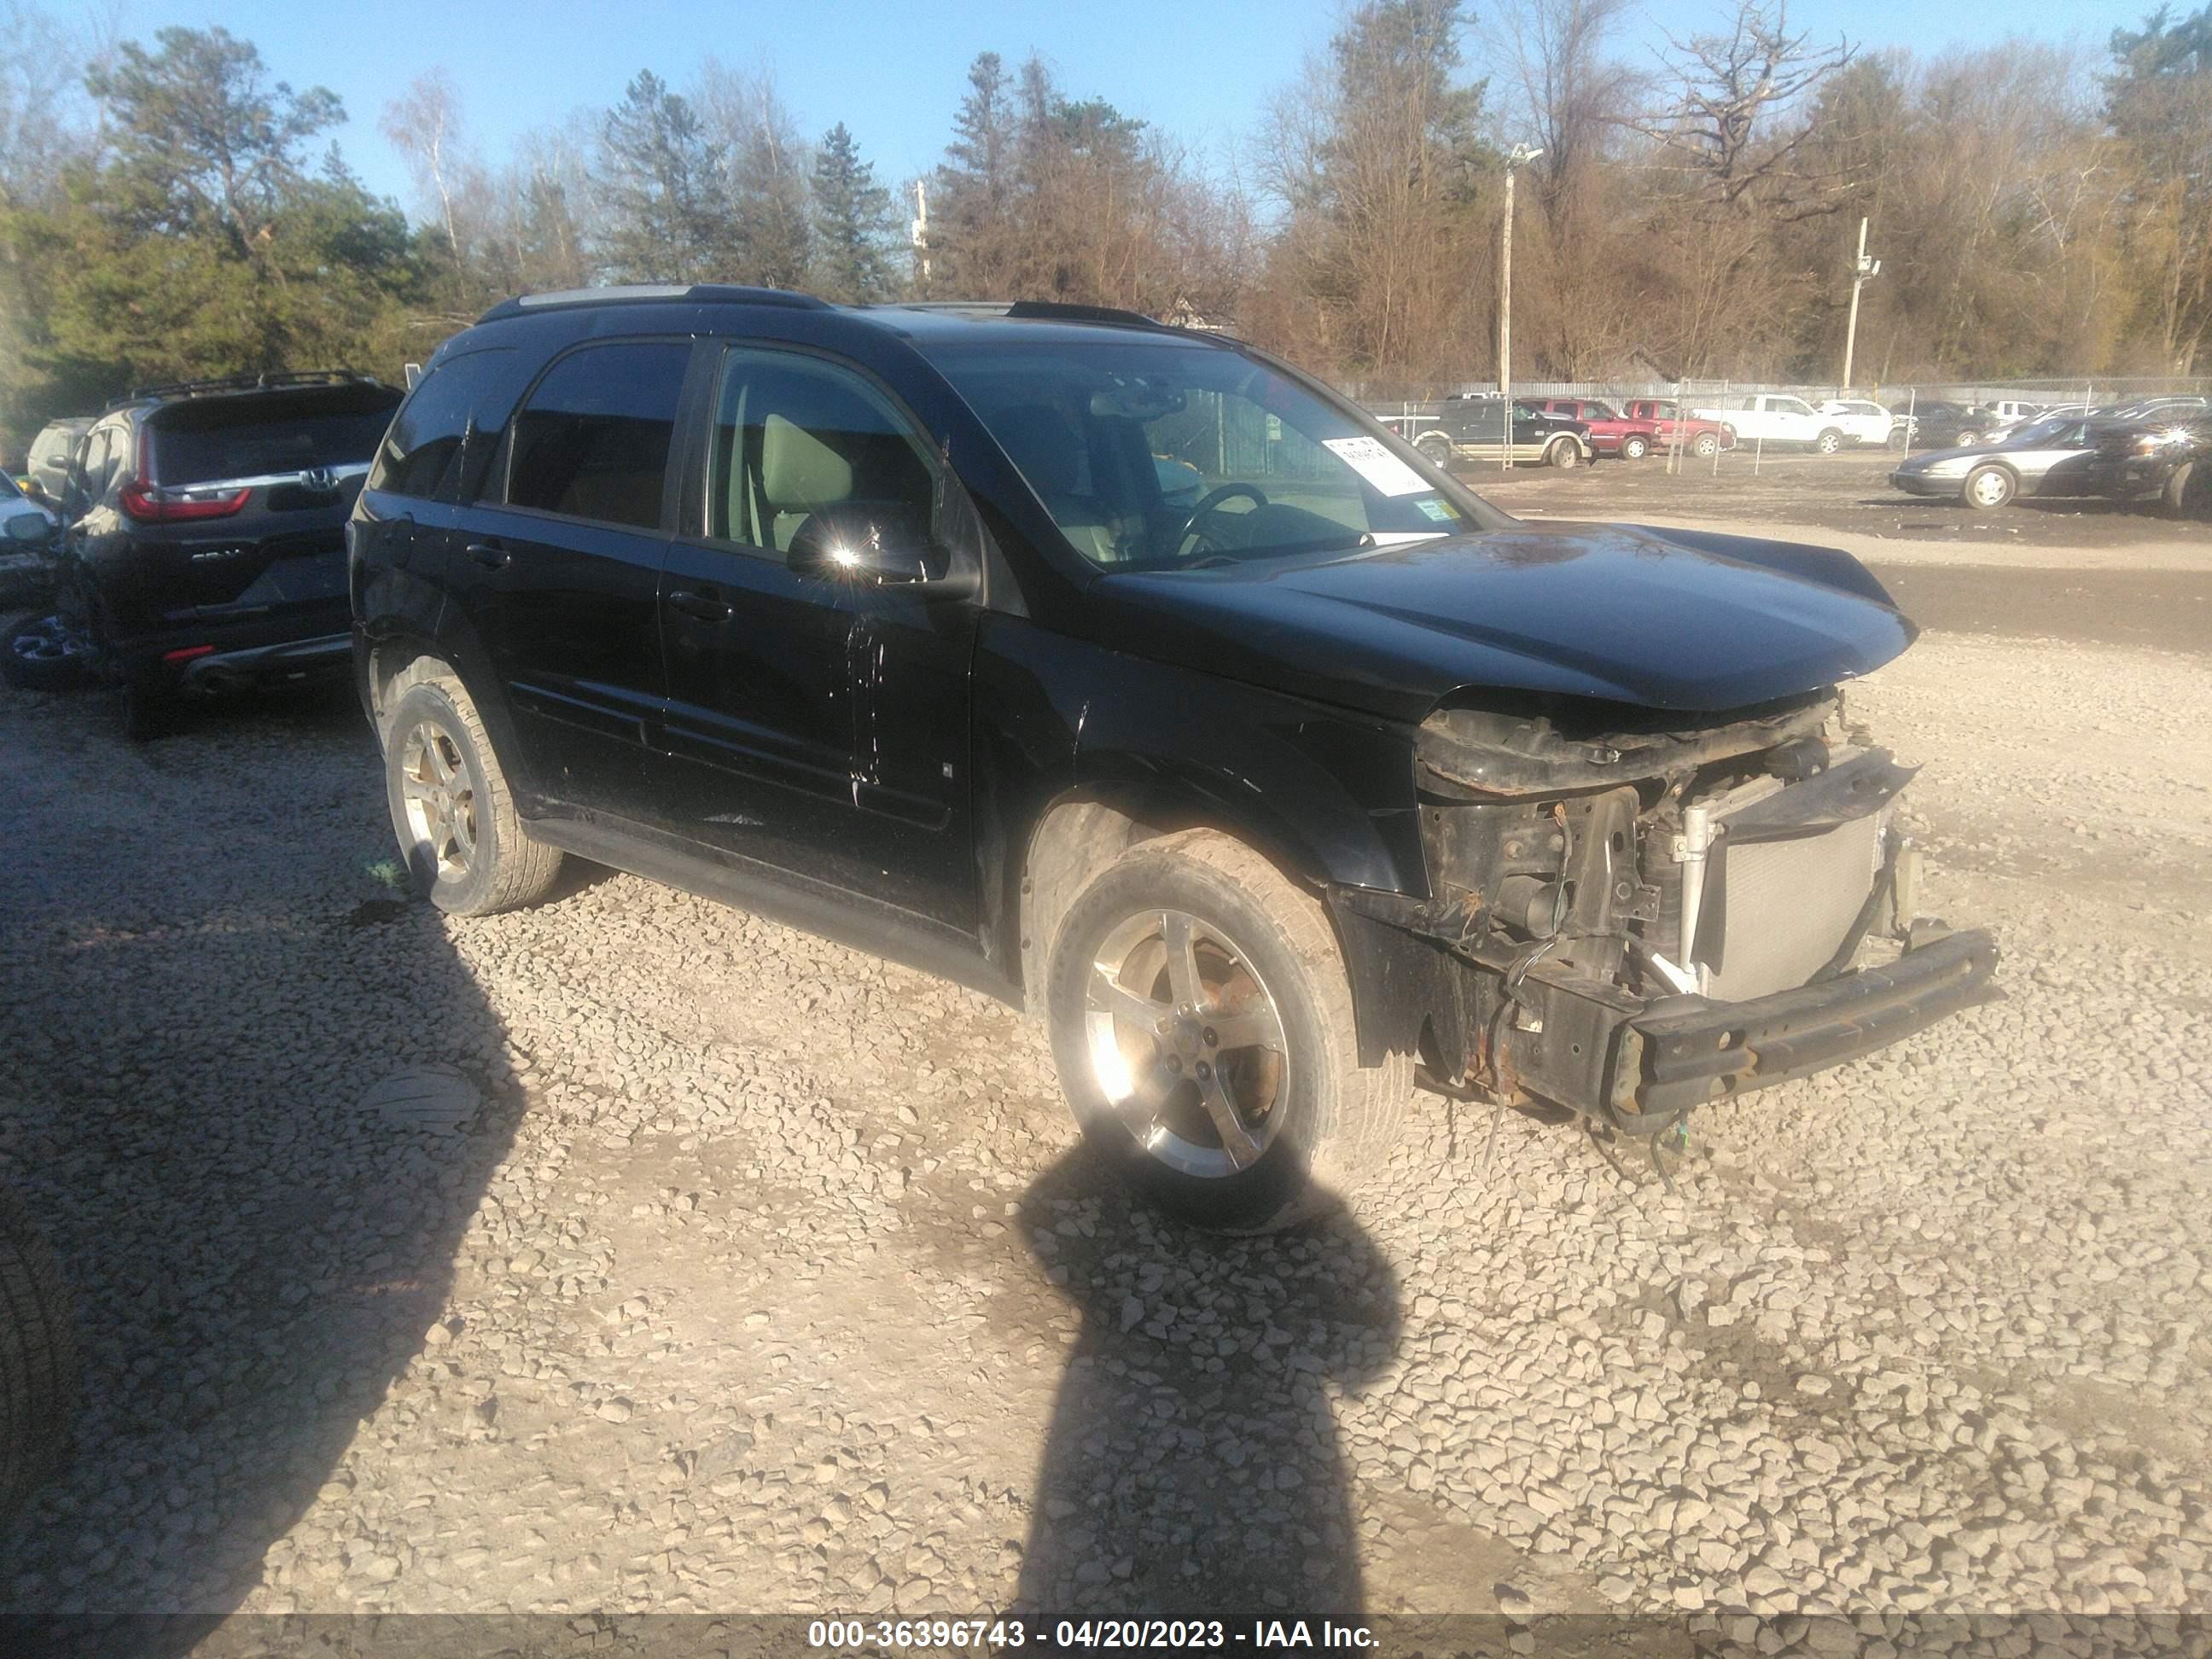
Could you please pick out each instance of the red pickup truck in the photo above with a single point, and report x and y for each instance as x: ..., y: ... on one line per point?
x: 1610, y: 433
x: 1704, y: 439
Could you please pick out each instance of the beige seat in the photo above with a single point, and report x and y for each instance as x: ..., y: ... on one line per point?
x: 799, y: 476
x: 1049, y: 452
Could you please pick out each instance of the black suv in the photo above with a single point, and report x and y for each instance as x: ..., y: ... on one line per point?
x: 1140, y: 680
x: 1472, y: 426
x: 206, y: 533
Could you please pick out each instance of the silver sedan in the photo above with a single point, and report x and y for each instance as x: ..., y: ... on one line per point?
x: 2058, y: 456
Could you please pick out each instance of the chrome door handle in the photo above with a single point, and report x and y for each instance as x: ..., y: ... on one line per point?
x: 489, y: 554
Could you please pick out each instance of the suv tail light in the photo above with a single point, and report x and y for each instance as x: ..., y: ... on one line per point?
x: 149, y: 505
x: 148, y: 502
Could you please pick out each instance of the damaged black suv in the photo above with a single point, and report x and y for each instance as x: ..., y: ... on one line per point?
x: 1137, y: 679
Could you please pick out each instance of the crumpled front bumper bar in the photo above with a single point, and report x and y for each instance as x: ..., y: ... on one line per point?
x: 1694, y: 1049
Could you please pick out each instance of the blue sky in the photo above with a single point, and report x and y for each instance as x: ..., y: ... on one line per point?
x: 892, y: 72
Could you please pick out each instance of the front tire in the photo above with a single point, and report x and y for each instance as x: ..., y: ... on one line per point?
x: 1563, y: 453
x: 452, y: 809
x: 1829, y: 442
x: 1635, y: 446
x: 1968, y: 438
x: 1989, y: 487
x: 1436, y: 447
x: 1705, y: 446
x: 1201, y: 1022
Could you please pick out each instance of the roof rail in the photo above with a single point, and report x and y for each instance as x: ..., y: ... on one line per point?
x: 256, y: 382
x: 1036, y: 310
x: 637, y: 293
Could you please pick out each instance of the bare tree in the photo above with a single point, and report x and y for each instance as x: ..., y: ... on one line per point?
x: 424, y: 125
x: 1734, y: 125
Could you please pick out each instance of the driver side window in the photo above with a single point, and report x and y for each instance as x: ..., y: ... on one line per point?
x: 803, y: 452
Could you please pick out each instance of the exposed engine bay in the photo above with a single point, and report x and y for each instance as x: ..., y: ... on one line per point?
x: 1657, y: 911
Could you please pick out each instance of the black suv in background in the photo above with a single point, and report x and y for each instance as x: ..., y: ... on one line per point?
x: 206, y: 525
x: 1137, y: 679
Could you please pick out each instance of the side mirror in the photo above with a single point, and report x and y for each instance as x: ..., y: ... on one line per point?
x: 877, y: 545
x: 30, y: 529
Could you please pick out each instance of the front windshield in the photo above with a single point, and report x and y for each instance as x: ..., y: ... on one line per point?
x: 1159, y: 453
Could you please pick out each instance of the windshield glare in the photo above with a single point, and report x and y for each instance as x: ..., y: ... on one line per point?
x: 1152, y: 454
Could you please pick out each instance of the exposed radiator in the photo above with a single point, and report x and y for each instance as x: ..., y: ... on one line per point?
x: 1774, y: 911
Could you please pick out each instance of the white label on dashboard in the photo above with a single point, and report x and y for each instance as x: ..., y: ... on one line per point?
x: 1367, y: 457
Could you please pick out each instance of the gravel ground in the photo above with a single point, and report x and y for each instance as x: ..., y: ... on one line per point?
x: 768, y: 1276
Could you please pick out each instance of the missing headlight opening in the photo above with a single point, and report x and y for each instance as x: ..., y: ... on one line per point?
x: 1642, y: 911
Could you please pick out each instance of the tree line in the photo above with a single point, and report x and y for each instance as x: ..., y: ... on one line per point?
x: 1691, y: 213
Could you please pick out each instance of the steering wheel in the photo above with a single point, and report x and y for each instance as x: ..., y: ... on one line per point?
x: 1210, y: 502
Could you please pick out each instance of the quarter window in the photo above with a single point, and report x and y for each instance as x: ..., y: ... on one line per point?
x: 805, y: 451
x: 448, y: 427
x: 593, y: 442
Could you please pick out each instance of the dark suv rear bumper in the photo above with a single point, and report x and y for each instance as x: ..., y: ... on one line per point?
x: 329, y: 656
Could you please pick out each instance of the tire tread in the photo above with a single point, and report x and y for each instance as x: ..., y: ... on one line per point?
x: 523, y: 871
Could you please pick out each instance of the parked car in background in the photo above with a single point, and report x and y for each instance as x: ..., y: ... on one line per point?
x: 1774, y: 417
x: 2014, y: 411
x: 873, y: 620
x: 1943, y: 423
x: 46, y: 463
x: 1704, y: 439
x: 207, y: 540
x: 2061, y: 456
x: 14, y: 504
x: 2152, y: 408
x: 1860, y: 421
x: 1611, y: 433
x: 1474, y: 428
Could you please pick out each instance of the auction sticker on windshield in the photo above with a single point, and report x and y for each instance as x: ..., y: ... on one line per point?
x: 1367, y: 457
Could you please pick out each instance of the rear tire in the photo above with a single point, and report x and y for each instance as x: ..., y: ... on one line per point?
x: 1989, y: 487
x: 38, y: 1358
x: 1562, y: 453
x: 1635, y: 446
x: 452, y: 809
x: 1307, y: 1120
x: 45, y: 655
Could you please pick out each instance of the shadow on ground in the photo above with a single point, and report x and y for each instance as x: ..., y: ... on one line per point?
x: 1193, y: 1465
x: 203, y: 979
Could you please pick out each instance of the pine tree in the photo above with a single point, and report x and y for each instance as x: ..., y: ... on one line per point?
x: 658, y: 173
x: 854, y: 224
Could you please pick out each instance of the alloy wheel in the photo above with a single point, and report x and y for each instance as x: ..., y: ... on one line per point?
x: 1186, y: 1042
x: 441, y: 806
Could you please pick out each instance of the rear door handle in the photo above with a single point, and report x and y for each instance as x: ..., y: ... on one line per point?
x: 705, y: 606
x: 489, y: 554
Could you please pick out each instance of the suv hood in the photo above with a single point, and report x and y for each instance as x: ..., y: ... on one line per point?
x: 1659, y: 618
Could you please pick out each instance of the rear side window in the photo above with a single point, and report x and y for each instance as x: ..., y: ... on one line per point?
x: 592, y: 440
x: 447, y: 430
x: 272, y: 433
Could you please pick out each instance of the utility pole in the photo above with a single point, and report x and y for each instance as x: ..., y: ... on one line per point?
x: 1861, y: 269
x: 1519, y: 155
x: 918, y: 231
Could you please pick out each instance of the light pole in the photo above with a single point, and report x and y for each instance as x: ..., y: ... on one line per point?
x: 1861, y: 269
x: 1519, y: 155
